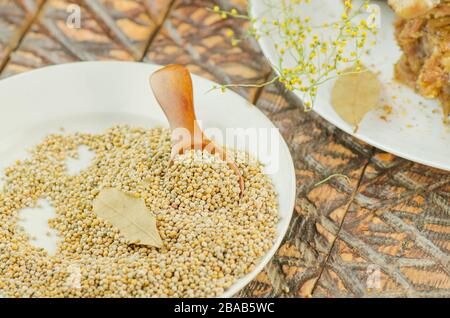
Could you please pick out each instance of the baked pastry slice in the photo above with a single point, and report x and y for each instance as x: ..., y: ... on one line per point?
x: 425, y: 41
x: 408, y: 9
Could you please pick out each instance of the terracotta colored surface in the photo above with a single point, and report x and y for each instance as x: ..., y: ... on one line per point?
x: 384, y: 233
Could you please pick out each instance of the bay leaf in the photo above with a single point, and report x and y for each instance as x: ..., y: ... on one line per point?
x: 355, y: 94
x: 129, y: 215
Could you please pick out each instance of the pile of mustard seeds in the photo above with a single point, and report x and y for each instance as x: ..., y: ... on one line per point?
x: 210, y: 237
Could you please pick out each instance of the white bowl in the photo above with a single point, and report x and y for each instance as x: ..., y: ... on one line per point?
x: 92, y: 96
x: 415, y: 130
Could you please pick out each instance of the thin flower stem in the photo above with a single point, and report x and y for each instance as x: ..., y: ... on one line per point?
x: 273, y: 80
x: 336, y: 175
x: 228, y: 13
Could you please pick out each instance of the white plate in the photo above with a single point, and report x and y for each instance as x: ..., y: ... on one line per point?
x: 92, y: 96
x: 413, y: 131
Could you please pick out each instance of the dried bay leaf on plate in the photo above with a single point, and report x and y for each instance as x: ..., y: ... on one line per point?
x: 129, y: 215
x: 355, y: 94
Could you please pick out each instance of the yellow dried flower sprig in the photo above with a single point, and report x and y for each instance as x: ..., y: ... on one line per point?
x: 317, y: 60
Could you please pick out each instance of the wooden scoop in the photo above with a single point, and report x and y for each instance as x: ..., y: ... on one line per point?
x: 172, y: 87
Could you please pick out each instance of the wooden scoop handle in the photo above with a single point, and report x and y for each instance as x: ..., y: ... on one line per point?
x: 172, y: 87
